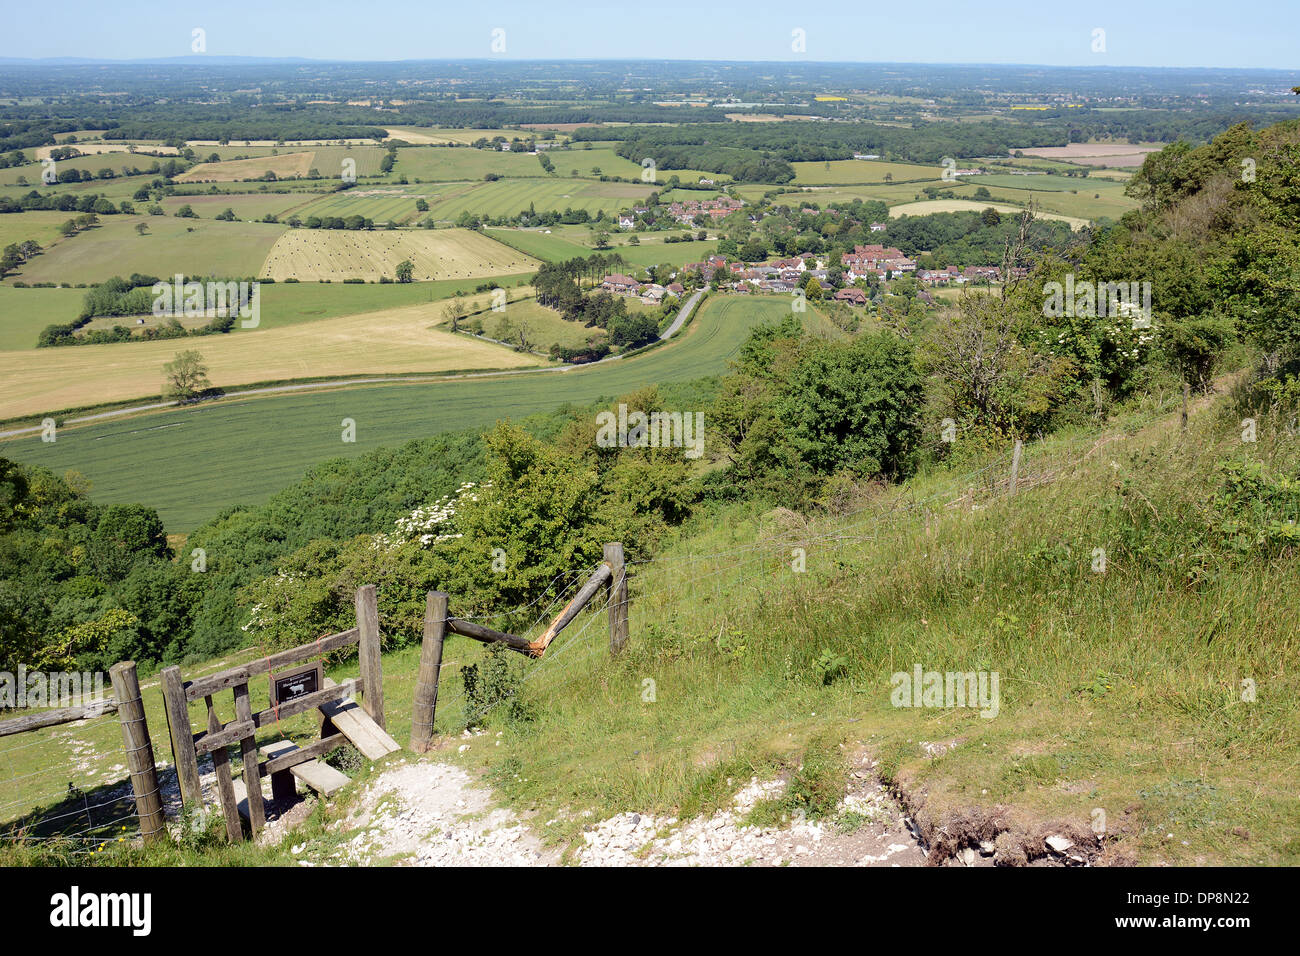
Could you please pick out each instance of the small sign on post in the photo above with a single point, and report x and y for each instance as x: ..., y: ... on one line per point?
x: 298, y: 682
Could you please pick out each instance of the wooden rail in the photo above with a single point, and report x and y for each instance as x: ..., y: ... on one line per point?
x: 63, y: 715
x: 610, y: 573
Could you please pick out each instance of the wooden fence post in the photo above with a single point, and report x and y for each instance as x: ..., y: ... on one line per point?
x: 372, y: 675
x: 1015, y: 464
x: 1187, y: 394
x: 618, y: 622
x: 139, y: 750
x: 426, y: 685
x: 182, y: 737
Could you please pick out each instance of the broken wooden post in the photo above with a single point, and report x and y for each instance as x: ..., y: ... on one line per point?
x: 1015, y: 464
x: 598, y: 577
x: 1187, y: 394
x: 372, y: 679
x: 139, y: 750
x: 182, y: 737
x: 617, y: 597
x: 426, y: 684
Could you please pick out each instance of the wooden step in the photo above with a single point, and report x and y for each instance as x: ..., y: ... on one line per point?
x: 354, y: 723
x: 316, y: 774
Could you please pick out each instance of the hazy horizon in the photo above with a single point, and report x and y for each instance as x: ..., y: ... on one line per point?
x: 1188, y: 35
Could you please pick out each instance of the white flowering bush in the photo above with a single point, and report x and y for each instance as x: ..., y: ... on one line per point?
x: 433, y: 524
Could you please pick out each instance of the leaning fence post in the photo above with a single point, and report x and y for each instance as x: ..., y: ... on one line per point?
x: 368, y: 653
x: 1187, y: 394
x: 426, y: 684
x: 139, y: 750
x: 617, y: 597
x: 1015, y: 464
x: 182, y: 736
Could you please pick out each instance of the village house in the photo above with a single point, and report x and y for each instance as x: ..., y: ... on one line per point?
x: 626, y: 222
x: 881, y: 260
x: 851, y: 295
x: 620, y: 284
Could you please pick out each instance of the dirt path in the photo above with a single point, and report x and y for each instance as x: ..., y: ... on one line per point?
x: 429, y: 813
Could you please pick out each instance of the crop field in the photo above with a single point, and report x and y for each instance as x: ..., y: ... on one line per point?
x: 289, y: 303
x: 245, y: 205
x: 196, y: 461
x: 388, y: 341
x: 1041, y: 183
x: 313, y: 254
x: 930, y: 206
x: 380, y: 203
x: 452, y: 164
x: 1091, y: 202
x: 198, y: 247
x: 420, y: 135
x: 116, y: 189
x: 849, y: 172
x: 509, y: 197
x: 562, y: 244
x: 548, y: 245
x: 598, y: 157
x: 1097, y: 154
x: 115, y: 146
x: 119, y: 162
x: 235, y: 170
x: 24, y: 312
x: 546, y: 327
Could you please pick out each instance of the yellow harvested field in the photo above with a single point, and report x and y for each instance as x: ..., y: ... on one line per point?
x: 87, y: 149
x: 335, y: 254
x: 929, y: 206
x: 387, y: 341
x: 234, y: 170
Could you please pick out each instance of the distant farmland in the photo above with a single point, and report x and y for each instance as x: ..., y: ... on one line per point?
x: 196, y: 461
x: 508, y: 197
x: 312, y: 254
x: 198, y: 247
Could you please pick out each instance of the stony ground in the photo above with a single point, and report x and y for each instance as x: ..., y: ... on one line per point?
x: 431, y: 813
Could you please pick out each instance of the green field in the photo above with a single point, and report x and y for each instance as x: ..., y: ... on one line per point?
x: 31, y: 173
x: 570, y: 243
x: 509, y: 197
x: 194, y: 462
x: 198, y: 247
x: 41, y: 225
x: 380, y: 203
x: 848, y: 172
x: 245, y: 205
x: 24, y: 312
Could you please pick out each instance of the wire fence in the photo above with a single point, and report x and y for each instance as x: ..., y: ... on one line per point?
x: 68, y: 783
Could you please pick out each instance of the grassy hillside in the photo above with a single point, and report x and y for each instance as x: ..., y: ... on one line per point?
x: 1121, y: 691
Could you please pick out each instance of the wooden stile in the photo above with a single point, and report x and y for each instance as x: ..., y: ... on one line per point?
x: 225, y: 783
x: 182, y: 736
x: 252, y: 777
x: 369, y: 653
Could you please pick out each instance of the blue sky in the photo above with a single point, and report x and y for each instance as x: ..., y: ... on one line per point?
x: 1255, y: 33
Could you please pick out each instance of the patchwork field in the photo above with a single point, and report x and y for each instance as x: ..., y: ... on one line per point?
x: 197, y: 461
x: 419, y: 135
x: 313, y: 254
x: 400, y: 339
x: 859, y: 171
x: 118, y: 162
x: 245, y: 205
x: 24, y: 312
x: 235, y: 170
x: 41, y: 225
x: 509, y: 197
x: 198, y: 247
x: 562, y: 244
x: 380, y: 203
x: 931, y: 206
x: 1096, y: 154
